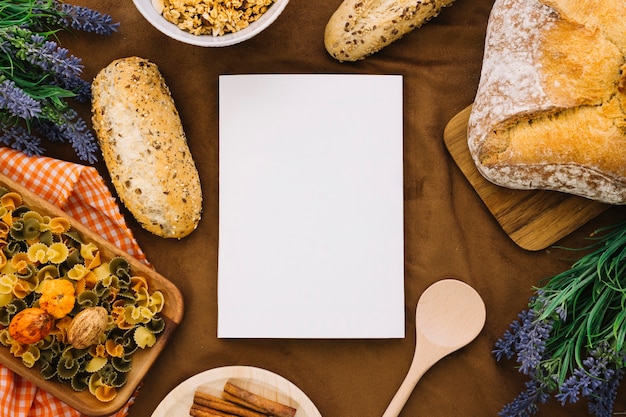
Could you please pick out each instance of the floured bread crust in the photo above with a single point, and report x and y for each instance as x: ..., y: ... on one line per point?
x: 550, y: 108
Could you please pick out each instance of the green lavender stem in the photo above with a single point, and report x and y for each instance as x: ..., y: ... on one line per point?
x: 38, y: 77
x: 571, y: 340
x: 591, y: 297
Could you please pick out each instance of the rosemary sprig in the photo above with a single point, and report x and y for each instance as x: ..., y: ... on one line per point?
x: 38, y: 78
x: 571, y: 340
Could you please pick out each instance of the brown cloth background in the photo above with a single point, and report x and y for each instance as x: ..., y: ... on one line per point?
x: 448, y: 230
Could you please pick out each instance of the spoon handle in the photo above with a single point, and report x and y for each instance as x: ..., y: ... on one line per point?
x: 426, y: 355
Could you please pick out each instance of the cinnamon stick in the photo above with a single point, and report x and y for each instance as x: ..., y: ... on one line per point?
x: 237, y: 400
x: 200, y: 411
x: 270, y: 407
x: 219, y: 404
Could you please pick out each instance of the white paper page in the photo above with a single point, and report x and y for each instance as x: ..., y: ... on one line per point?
x: 311, y: 207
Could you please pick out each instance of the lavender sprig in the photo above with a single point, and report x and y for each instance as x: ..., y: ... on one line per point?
x: 527, y: 403
x: 38, y: 77
x: 54, y: 14
x: 526, y: 339
x: 87, y: 20
x: 19, y: 138
x: 571, y: 340
x: 16, y: 102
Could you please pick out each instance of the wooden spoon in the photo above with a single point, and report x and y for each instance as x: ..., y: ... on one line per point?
x: 449, y: 315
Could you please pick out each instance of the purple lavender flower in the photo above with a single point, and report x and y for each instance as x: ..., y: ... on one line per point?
x: 87, y: 20
x: 73, y: 130
x: 64, y: 69
x: 526, y: 337
x: 56, y: 13
x: 532, y: 343
x: 80, y: 87
x: 597, y: 379
x: 48, y: 60
x: 49, y: 56
x: 579, y: 383
x: 527, y: 403
x: 601, y: 404
x: 19, y: 138
x: 43, y: 75
x: 581, y: 344
x: 505, y: 346
x: 17, y: 102
x: 561, y: 312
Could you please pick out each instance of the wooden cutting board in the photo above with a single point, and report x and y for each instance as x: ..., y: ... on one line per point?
x: 534, y: 219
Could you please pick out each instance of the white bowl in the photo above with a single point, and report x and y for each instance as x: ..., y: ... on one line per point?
x: 149, y: 12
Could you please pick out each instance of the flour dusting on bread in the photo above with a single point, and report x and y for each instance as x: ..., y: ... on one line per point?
x: 549, y: 112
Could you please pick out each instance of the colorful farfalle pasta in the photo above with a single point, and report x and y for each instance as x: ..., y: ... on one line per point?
x: 44, y: 264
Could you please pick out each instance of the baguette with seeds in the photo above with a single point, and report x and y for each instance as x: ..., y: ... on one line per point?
x: 144, y: 147
x: 359, y: 28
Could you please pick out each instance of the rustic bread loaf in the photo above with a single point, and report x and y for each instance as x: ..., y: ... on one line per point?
x: 359, y: 28
x: 144, y: 147
x: 550, y: 108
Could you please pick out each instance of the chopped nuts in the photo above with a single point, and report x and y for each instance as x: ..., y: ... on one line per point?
x: 213, y: 17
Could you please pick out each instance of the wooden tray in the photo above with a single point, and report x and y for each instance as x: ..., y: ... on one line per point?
x: 534, y: 219
x: 172, y: 313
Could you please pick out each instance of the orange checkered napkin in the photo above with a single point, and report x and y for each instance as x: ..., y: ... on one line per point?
x: 81, y: 192
x: 78, y: 190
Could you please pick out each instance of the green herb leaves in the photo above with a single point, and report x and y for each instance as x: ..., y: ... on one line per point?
x: 571, y: 340
x: 38, y: 78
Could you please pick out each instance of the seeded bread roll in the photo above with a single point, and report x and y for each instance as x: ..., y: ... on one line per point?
x: 359, y: 28
x: 144, y: 147
x: 550, y: 108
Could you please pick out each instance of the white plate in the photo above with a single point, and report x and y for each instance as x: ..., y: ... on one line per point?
x: 260, y: 381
